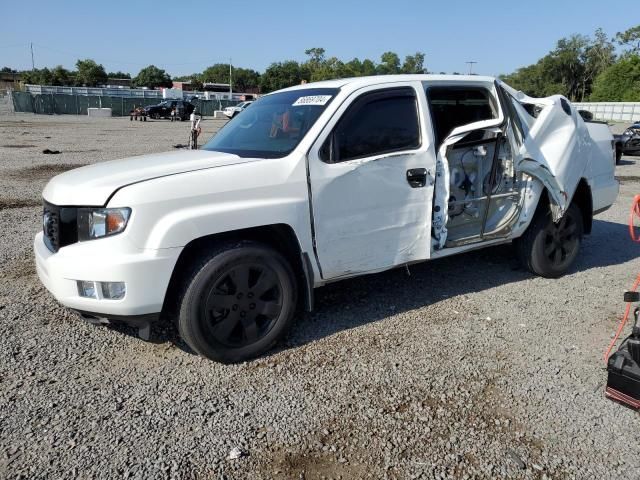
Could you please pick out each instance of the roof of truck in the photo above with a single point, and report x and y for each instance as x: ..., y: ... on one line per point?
x: 359, y: 82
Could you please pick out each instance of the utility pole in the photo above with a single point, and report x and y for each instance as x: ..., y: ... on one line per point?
x: 470, y: 63
x: 33, y: 65
x: 230, y: 88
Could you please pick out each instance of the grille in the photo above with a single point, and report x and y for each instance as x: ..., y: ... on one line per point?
x: 59, y: 225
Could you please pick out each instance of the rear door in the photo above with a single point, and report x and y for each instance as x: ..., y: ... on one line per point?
x: 371, y: 180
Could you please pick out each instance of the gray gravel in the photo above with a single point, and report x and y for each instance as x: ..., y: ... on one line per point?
x: 468, y: 368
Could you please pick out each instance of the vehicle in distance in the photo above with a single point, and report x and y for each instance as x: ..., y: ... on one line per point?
x: 318, y: 183
x: 236, y: 109
x: 164, y: 109
x: 628, y: 142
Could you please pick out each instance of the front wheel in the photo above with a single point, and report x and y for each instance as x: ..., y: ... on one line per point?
x: 238, y: 302
x: 548, y: 248
x: 618, y: 156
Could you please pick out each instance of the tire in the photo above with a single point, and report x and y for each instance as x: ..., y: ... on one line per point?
x: 549, y: 249
x: 237, y: 302
x: 618, y: 155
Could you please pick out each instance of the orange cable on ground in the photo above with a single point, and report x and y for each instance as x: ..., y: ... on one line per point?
x: 635, y: 212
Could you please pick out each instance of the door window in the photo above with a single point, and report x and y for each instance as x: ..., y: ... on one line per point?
x: 377, y: 123
x: 453, y: 107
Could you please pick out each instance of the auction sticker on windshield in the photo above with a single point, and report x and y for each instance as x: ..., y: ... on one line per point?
x: 312, y: 100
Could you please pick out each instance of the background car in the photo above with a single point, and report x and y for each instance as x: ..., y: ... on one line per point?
x: 628, y: 142
x: 233, y: 111
x: 163, y: 109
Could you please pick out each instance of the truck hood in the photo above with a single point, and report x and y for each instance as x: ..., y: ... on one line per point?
x: 94, y: 184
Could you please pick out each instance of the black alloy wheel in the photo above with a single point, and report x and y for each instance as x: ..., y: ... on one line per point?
x: 549, y: 248
x: 243, y: 304
x: 237, y: 302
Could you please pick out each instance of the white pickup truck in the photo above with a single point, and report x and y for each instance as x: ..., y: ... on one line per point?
x: 318, y: 183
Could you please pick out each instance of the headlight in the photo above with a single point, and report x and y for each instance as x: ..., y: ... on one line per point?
x: 629, y: 132
x: 101, y: 222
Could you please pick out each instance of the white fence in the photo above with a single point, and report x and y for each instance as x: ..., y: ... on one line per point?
x: 612, y: 111
x: 126, y: 92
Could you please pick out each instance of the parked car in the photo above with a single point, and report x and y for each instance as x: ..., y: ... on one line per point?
x: 164, y: 109
x: 319, y: 183
x: 628, y: 142
x: 236, y: 109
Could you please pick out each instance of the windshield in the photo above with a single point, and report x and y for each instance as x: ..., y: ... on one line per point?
x: 274, y: 125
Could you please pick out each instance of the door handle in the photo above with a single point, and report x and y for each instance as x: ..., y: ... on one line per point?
x: 417, y: 177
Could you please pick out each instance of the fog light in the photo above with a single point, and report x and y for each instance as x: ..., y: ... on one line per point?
x: 113, y: 290
x: 87, y: 289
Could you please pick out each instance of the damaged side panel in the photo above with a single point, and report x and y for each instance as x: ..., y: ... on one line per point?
x: 367, y: 217
x: 557, y: 149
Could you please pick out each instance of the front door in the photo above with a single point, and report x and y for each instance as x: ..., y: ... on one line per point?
x: 371, y: 175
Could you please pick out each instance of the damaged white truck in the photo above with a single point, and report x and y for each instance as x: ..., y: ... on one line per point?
x: 315, y: 184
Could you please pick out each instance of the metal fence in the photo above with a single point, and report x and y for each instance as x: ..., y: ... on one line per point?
x: 122, y: 92
x: 59, y: 103
x: 612, y: 111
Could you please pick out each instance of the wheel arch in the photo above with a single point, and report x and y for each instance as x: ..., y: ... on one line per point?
x: 280, y: 237
x: 583, y: 199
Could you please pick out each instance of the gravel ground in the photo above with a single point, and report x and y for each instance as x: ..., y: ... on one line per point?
x: 468, y: 368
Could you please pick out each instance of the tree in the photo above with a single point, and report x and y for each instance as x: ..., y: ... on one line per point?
x: 61, y: 76
x: 630, y: 38
x: 597, y: 57
x: 620, y: 82
x: 281, y: 75
x: 389, y: 64
x: 217, y: 73
x: 152, y: 77
x: 37, y: 77
x: 316, y: 55
x: 118, y: 74
x: 243, y: 79
x: 414, y: 63
x: 569, y: 69
x: 90, y: 73
x: 8, y: 70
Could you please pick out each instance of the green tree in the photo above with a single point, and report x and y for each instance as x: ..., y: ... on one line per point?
x: 368, y: 67
x: 281, y: 75
x: 118, y: 74
x: 217, y: 73
x: 8, y: 70
x: 152, y: 77
x: 597, y: 57
x: 89, y: 73
x: 620, y: 82
x: 37, y: 77
x: 389, y: 64
x: 61, y: 76
x: 569, y: 69
x: 630, y: 38
x: 242, y: 78
x: 414, y: 63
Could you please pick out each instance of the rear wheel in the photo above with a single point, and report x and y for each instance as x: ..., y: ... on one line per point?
x: 238, y: 302
x: 548, y: 248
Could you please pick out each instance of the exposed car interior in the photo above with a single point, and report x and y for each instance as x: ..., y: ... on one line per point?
x: 483, y: 195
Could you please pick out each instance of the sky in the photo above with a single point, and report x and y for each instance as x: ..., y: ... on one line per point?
x: 187, y: 36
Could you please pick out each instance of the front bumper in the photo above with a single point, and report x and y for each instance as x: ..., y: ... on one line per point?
x: 146, y: 274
